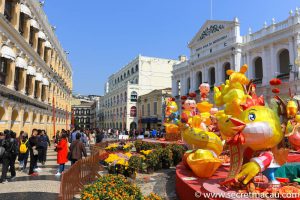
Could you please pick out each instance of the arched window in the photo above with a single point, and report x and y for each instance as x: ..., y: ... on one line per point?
x: 133, y: 111
x: 125, y: 111
x: 124, y: 75
x: 284, y: 62
x: 117, y: 112
x: 125, y: 96
x: 128, y: 73
x: 133, y: 96
x: 212, y: 76
x: 118, y: 79
x: 121, y: 98
x: 121, y: 77
x: 137, y: 81
x: 258, y: 70
x: 137, y: 68
x: 114, y: 100
x: 82, y: 111
x: 188, y: 83
x: 226, y: 67
x: 132, y: 70
x: 199, y: 78
x: 117, y: 99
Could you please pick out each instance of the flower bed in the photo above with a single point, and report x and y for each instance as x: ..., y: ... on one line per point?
x: 114, y: 187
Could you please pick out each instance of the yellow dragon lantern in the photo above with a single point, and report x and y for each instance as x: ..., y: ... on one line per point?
x: 232, y: 93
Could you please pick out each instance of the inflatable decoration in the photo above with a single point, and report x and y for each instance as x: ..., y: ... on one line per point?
x: 171, y: 120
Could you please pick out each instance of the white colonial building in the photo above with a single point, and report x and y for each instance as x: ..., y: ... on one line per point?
x: 270, y: 52
x: 141, y: 76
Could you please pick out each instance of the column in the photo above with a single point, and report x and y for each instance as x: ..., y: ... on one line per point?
x: 35, y: 40
x: 266, y: 68
x: 31, y: 87
x: 2, y: 5
x: 21, y: 117
x: 9, y: 115
x: 10, y: 75
x: 46, y: 94
x: 22, y: 82
x: 39, y: 91
x: 274, y: 71
x: 48, y: 56
x: 292, y: 56
x: 220, y: 73
x: 42, y: 49
x: 16, y: 15
x: 27, y: 29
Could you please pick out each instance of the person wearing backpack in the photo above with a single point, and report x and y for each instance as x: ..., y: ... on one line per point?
x: 23, y: 151
x: 11, y: 151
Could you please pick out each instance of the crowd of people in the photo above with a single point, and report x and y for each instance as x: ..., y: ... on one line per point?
x: 69, y: 145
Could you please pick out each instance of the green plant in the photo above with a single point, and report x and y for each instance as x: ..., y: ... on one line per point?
x: 178, y: 151
x: 138, y: 145
x: 166, y: 157
x: 152, y: 159
x: 135, y: 163
x: 112, y: 187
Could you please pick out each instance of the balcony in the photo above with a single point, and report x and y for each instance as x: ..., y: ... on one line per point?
x: 284, y: 77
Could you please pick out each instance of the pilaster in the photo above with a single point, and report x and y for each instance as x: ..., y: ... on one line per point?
x: 10, y: 75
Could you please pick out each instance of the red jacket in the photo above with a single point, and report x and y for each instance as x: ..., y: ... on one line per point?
x: 62, y: 151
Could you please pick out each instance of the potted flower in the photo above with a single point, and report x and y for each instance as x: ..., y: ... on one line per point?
x: 134, y: 165
x: 178, y: 151
x: 151, y: 161
x: 166, y: 158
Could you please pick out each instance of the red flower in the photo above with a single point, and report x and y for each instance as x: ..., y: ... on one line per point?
x: 276, y: 90
x: 275, y: 81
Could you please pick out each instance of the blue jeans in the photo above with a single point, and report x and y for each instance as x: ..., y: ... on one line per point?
x: 61, y: 168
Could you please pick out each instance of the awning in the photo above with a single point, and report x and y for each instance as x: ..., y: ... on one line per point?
x: 48, y: 44
x: 21, y: 63
x: 31, y: 71
x: 34, y: 24
x: 45, y: 81
x: 42, y: 35
x: 7, y: 52
x: 38, y: 77
x: 25, y: 10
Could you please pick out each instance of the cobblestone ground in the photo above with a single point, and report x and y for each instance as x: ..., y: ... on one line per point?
x: 42, y: 187
x: 161, y: 182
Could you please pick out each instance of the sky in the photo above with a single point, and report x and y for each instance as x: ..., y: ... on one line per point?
x: 102, y: 36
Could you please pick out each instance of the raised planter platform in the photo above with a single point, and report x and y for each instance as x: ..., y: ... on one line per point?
x: 164, y: 143
x: 189, y: 186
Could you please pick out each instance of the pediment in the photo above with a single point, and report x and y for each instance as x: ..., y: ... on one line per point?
x: 210, y: 28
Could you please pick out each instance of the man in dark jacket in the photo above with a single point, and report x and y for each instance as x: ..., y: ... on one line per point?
x: 77, y: 149
x: 11, y: 151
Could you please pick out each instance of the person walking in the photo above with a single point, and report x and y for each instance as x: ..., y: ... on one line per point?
x: 62, y: 153
x: 11, y: 151
x: 33, y: 152
x: 77, y: 149
x: 23, y: 151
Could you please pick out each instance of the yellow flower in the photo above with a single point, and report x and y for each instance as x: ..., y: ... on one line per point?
x: 112, y: 158
x: 146, y: 152
x: 128, y: 154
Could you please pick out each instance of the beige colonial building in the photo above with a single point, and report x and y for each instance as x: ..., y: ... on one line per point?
x: 35, y: 75
x: 141, y: 76
x: 151, y: 108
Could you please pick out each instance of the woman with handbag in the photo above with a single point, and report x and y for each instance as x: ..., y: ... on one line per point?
x: 62, y: 153
x: 33, y: 140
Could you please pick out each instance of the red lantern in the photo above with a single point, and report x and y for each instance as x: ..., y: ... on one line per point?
x: 275, y: 81
x: 192, y: 94
x: 276, y: 90
x: 172, y: 99
x: 183, y: 98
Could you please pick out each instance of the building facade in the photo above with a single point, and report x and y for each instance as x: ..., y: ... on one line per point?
x: 35, y: 75
x: 86, y: 111
x: 270, y: 52
x: 151, y: 108
x: 141, y: 76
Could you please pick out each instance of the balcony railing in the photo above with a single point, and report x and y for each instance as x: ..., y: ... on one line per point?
x: 284, y: 76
